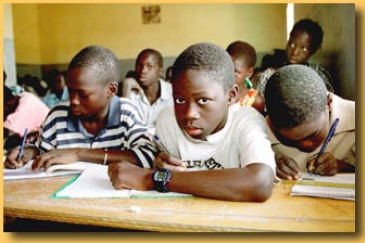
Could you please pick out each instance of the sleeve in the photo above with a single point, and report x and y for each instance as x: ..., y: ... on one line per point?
x: 138, y: 139
x: 55, y: 121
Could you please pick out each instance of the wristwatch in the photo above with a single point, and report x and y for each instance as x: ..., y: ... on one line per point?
x: 160, y: 179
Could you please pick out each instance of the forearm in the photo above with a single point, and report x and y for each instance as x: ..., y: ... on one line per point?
x: 101, y: 156
x: 251, y: 184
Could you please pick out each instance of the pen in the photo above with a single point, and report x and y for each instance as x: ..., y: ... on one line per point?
x: 328, y: 138
x: 22, y: 146
x: 159, y: 144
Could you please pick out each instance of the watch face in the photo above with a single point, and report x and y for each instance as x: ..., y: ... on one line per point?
x: 160, y: 176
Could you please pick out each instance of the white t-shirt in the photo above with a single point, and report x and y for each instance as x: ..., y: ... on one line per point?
x: 241, y: 142
x: 150, y: 112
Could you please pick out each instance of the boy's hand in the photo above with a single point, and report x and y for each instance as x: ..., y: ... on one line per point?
x: 125, y: 175
x: 56, y: 156
x: 326, y: 165
x: 287, y: 169
x: 12, y: 163
x: 165, y: 161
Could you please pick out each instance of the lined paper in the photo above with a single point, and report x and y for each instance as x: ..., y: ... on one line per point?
x: 341, y: 186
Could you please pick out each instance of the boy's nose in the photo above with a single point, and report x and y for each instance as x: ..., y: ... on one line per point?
x: 74, y: 100
x: 192, y: 111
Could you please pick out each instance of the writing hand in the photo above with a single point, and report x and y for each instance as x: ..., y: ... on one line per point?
x: 325, y: 165
x: 165, y: 161
x: 11, y: 161
x: 287, y: 168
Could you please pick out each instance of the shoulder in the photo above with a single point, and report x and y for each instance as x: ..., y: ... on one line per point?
x: 59, y: 111
x: 247, y: 118
x: 166, y: 89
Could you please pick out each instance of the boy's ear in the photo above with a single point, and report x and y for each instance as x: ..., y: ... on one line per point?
x: 329, y: 101
x: 160, y: 72
x: 233, y: 94
x: 112, y: 89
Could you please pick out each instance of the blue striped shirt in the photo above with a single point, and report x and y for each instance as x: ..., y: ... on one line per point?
x: 124, y: 130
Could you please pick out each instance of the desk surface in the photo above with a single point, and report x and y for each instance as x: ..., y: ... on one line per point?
x: 30, y: 199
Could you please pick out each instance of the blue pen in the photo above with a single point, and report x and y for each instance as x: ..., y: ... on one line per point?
x: 159, y: 144
x: 22, y: 146
x: 328, y: 139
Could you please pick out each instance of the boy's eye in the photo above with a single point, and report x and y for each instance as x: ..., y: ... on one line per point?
x: 203, y: 101
x: 179, y: 101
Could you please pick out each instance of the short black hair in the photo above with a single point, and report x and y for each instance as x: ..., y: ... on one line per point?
x: 207, y: 57
x: 313, y: 29
x: 155, y: 53
x: 102, y: 60
x: 244, y: 51
x: 294, y: 94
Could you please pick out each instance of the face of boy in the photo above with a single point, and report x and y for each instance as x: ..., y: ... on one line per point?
x: 307, y: 136
x: 201, y: 105
x: 298, y: 48
x: 242, y: 71
x: 89, y: 98
x: 148, y: 70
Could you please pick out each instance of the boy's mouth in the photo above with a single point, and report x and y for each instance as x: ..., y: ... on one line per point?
x: 193, y: 131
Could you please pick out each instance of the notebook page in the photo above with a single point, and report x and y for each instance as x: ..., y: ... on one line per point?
x: 92, y: 183
x: 340, y: 186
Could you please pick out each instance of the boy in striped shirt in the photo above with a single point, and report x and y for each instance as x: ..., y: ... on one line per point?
x: 95, y: 125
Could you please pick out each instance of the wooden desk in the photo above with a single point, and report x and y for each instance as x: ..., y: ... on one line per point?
x: 30, y: 199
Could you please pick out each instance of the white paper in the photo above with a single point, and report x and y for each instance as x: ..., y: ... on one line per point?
x: 26, y: 171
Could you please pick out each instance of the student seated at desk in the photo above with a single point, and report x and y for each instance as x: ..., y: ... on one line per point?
x: 214, y: 149
x: 300, y: 112
x: 154, y: 93
x: 96, y: 125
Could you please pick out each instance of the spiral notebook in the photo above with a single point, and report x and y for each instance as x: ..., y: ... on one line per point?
x: 341, y: 186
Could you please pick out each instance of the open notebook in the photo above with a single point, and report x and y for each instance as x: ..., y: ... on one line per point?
x: 26, y: 171
x: 341, y: 186
x: 94, y: 182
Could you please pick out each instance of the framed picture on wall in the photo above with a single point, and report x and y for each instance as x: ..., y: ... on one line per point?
x: 151, y: 14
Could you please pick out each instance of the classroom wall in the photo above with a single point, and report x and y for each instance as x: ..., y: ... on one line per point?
x: 63, y: 29
x: 48, y: 35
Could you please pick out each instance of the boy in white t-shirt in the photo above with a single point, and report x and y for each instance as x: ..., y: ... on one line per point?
x: 214, y: 149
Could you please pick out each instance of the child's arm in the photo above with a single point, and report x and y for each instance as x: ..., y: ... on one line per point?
x: 254, y: 183
x: 67, y: 156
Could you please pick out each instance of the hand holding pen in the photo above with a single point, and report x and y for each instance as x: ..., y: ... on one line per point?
x: 14, y: 158
x: 313, y: 164
x: 164, y: 160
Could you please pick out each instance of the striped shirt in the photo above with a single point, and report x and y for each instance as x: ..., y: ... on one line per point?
x: 124, y: 130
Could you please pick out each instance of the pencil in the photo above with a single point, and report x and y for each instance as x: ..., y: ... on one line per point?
x: 23, y: 144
